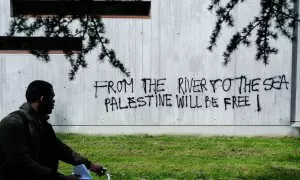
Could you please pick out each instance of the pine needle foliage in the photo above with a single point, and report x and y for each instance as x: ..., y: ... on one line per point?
x: 276, y: 18
x: 90, y: 29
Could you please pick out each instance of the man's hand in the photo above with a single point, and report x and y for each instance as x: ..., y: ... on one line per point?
x: 98, y: 169
x: 72, y: 177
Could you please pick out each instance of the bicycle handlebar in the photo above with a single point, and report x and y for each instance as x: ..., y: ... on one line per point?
x: 108, y: 176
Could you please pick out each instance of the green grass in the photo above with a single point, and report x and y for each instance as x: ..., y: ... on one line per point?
x: 190, y: 157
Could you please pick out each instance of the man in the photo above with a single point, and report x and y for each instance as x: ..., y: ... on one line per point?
x: 29, y: 148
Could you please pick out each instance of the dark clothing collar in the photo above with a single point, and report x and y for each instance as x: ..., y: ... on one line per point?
x: 26, y: 107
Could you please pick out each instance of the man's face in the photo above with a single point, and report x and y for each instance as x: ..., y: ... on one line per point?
x: 47, y: 103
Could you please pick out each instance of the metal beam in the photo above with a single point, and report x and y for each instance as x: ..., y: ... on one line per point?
x: 12, y: 44
x: 294, y: 69
x: 67, y: 8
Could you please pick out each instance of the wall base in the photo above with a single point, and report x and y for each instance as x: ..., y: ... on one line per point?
x: 184, y: 130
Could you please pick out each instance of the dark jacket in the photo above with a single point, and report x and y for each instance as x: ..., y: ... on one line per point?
x: 32, y: 154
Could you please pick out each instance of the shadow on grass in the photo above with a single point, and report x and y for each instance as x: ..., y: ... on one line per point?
x: 277, y: 173
x: 274, y: 173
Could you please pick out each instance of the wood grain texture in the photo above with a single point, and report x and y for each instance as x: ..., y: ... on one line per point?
x: 170, y: 45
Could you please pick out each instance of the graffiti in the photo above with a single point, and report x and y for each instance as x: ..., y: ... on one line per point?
x: 119, y: 86
x: 276, y: 83
x: 155, y: 85
x: 236, y: 101
x: 202, y: 93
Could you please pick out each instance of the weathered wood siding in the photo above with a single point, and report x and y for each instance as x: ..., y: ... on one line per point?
x: 169, y: 46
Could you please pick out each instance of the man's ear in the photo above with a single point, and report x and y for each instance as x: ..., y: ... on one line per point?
x: 42, y: 99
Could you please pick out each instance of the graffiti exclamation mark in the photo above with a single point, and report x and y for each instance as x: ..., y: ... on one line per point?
x: 258, y: 104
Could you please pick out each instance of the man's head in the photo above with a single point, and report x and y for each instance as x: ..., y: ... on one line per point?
x: 40, y: 95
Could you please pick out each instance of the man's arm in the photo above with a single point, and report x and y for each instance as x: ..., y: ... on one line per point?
x: 69, y: 156
x: 14, y: 143
x: 66, y: 154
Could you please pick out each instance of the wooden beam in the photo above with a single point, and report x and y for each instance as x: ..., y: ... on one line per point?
x: 54, y: 45
x: 66, y: 8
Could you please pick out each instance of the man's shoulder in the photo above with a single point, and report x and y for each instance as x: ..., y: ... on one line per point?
x: 12, y: 119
